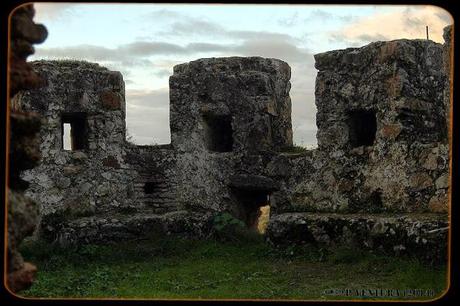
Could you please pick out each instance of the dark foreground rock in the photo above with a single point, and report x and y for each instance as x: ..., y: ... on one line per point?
x: 24, y: 144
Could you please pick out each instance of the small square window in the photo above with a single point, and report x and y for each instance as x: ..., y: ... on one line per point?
x: 362, y: 126
x: 218, y: 133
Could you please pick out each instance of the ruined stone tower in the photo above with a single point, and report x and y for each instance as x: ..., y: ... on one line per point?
x: 378, y: 179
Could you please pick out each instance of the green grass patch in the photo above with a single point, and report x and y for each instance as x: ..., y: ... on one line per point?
x: 173, y: 267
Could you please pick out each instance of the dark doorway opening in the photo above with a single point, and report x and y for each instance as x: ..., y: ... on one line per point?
x: 74, y: 131
x: 253, y: 208
x: 218, y: 133
x: 362, y: 126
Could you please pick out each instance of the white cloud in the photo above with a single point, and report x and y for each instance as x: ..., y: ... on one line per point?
x: 52, y: 11
x: 147, y: 114
x: 409, y: 23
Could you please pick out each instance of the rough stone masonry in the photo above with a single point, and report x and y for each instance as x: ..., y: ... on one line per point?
x: 379, y: 178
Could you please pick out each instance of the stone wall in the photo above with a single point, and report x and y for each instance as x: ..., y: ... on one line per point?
x: 383, y: 152
x: 225, y: 113
x: 381, y: 168
x: 93, y: 178
x: 391, y: 93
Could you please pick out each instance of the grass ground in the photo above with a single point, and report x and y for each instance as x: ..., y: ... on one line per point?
x: 195, y: 269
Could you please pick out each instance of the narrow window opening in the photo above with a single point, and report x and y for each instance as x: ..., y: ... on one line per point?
x: 74, y: 131
x: 362, y: 126
x: 218, y: 133
x: 66, y: 139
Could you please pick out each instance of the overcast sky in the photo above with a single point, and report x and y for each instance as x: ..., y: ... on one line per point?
x: 145, y: 41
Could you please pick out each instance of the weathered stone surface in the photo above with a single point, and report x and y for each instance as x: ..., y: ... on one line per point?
x: 382, y: 149
x: 110, y: 161
x: 424, y: 236
x: 439, y: 203
x: 404, y: 168
x: 420, y: 181
x: 442, y: 181
x: 234, y: 104
x: 253, y: 182
x: 249, y: 90
x: 391, y: 131
x: 448, y: 68
x: 111, y: 100
x: 382, y: 174
x: 120, y: 227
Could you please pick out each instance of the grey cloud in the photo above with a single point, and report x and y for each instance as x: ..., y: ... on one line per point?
x: 55, y: 11
x: 147, y: 111
x: 147, y: 116
x: 153, y: 130
x: 188, y: 25
x: 323, y: 15
x: 127, y: 53
x: 414, y: 22
x: 193, y: 26
x: 444, y: 16
x: 208, y: 47
x: 196, y: 27
x: 162, y: 72
x: 365, y: 38
x: 289, y: 21
x: 162, y: 14
x: 90, y: 52
x: 260, y: 35
x: 277, y: 49
x: 122, y: 53
x: 338, y: 38
x: 130, y: 54
x: 305, y: 136
x: 149, y: 48
x: 158, y: 99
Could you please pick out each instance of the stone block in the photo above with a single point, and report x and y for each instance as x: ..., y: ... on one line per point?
x: 111, y: 100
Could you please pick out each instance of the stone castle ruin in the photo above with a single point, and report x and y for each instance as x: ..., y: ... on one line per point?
x: 378, y: 179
